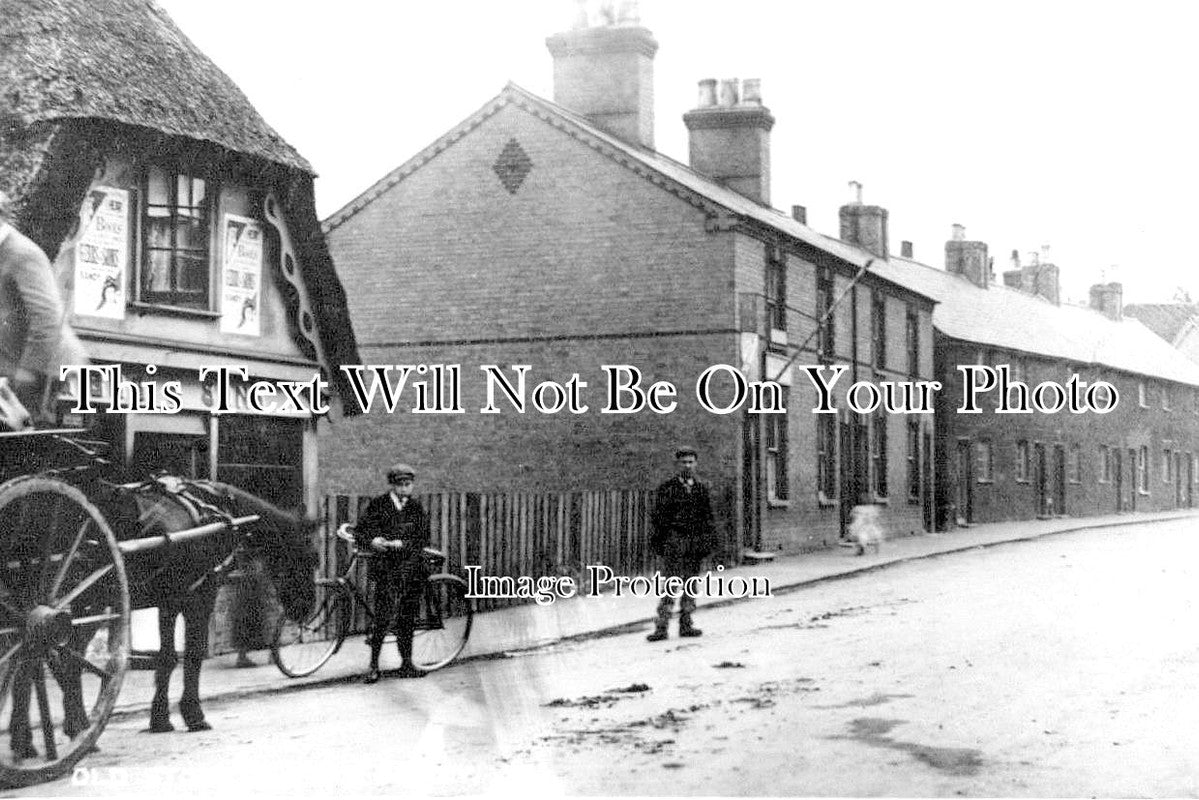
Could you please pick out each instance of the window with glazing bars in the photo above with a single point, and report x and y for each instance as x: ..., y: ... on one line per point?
x: 176, y: 233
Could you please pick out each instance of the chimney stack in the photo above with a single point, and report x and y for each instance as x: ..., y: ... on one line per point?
x: 1108, y: 299
x: 730, y: 136
x: 1038, y: 277
x: 968, y: 259
x: 800, y: 214
x: 905, y: 249
x: 865, y: 226
x: 604, y: 70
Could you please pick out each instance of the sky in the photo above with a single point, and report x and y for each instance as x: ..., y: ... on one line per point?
x: 1063, y: 124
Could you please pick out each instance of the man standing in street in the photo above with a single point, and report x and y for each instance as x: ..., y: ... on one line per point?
x: 394, y: 529
x: 683, y: 535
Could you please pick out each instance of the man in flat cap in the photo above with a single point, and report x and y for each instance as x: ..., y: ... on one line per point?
x: 683, y: 535
x: 394, y: 529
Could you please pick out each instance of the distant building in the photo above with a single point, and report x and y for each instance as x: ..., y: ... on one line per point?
x: 1000, y: 466
x: 552, y: 234
x: 1177, y: 323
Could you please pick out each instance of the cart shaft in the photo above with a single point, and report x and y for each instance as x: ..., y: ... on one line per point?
x: 159, y: 541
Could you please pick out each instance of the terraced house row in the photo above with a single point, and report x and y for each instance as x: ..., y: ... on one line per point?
x: 551, y: 233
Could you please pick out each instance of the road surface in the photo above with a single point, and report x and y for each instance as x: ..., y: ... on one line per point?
x: 1064, y: 666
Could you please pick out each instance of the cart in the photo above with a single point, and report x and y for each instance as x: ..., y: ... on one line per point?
x: 64, y: 601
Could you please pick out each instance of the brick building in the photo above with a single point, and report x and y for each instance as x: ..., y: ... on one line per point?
x: 184, y: 233
x: 998, y: 466
x: 552, y: 234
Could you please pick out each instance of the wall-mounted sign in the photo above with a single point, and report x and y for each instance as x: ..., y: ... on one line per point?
x: 241, y: 275
x: 102, y: 254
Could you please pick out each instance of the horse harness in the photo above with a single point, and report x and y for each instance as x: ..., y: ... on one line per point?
x: 189, y: 495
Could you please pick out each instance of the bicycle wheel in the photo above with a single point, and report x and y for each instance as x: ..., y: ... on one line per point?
x: 444, y: 623
x: 301, y: 648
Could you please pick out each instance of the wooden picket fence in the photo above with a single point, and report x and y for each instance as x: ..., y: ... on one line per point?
x: 516, y: 534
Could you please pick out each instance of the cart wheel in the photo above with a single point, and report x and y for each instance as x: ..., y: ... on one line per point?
x: 301, y: 648
x: 64, y: 628
x: 443, y: 625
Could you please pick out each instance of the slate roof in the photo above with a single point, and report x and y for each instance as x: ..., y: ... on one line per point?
x: 1008, y: 318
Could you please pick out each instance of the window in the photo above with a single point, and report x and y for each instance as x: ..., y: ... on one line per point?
x: 776, y: 291
x: 1142, y: 397
x: 776, y: 453
x: 1167, y: 466
x: 1075, y: 466
x: 177, y: 224
x: 1143, y: 469
x: 824, y: 307
x: 913, y: 328
x: 984, y: 465
x: 878, y: 454
x: 1165, y: 397
x: 913, y: 460
x: 1022, y: 461
x: 1105, y: 464
x: 826, y: 454
x: 879, y: 330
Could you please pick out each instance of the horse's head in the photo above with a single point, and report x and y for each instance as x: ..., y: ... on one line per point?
x: 292, y: 559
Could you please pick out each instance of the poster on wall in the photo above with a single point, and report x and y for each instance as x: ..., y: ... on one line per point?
x: 241, y: 272
x: 102, y: 254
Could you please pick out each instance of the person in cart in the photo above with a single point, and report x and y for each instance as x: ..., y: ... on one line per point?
x: 34, y: 337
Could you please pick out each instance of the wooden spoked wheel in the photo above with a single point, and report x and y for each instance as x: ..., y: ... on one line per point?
x: 64, y: 628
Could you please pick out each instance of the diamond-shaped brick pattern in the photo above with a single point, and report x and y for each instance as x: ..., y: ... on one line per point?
x: 513, y: 166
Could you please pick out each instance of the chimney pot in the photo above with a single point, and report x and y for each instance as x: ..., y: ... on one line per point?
x: 800, y: 214
x: 729, y: 90
x: 855, y: 193
x: 1015, y: 259
x: 959, y: 232
x: 905, y: 249
x: 751, y: 91
x: 707, y: 93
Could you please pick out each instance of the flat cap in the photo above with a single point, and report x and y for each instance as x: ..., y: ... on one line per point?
x: 686, y: 451
x: 398, y: 471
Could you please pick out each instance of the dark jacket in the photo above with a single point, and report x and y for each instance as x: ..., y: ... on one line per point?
x: 410, y: 525
x: 683, y: 526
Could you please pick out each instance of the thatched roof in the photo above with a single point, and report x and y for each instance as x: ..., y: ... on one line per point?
x: 126, y: 61
x: 81, y: 78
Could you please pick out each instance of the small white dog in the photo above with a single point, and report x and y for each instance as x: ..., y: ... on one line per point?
x: 865, y: 530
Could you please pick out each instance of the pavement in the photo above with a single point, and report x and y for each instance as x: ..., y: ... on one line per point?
x: 527, y: 627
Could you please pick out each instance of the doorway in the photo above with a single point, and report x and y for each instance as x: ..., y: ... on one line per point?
x: 965, y: 487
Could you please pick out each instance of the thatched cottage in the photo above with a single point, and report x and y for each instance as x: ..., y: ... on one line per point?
x: 184, y: 232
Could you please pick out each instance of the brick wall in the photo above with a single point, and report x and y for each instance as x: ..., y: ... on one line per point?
x: 1129, y: 426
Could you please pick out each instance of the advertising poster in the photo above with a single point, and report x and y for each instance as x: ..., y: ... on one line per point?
x: 102, y: 254
x: 241, y: 272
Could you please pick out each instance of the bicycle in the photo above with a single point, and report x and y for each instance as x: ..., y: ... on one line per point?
x: 442, y: 627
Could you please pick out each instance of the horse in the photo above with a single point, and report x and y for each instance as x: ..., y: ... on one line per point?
x: 182, y: 579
